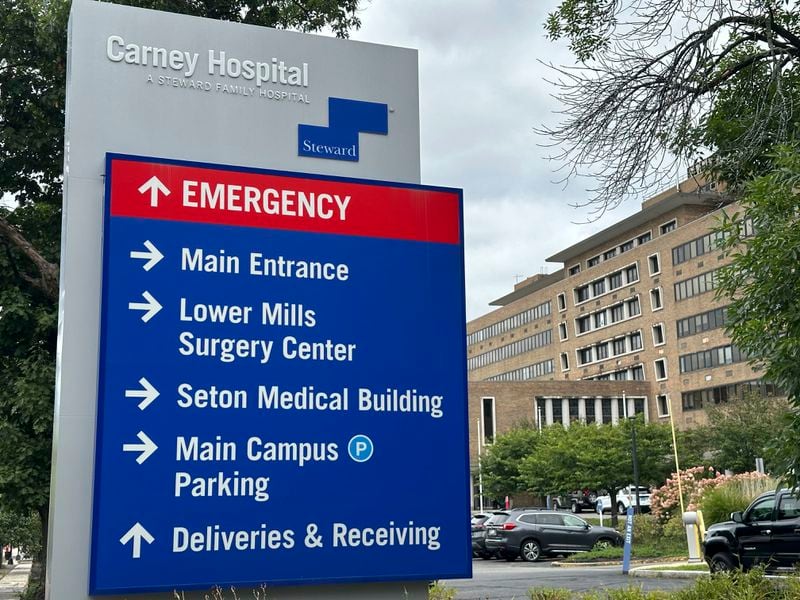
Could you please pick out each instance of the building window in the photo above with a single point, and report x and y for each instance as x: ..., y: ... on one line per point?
x: 599, y: 287
x: 558, y: 418
x: 609, y: 254
x: 615, y: 280
x: 583, y: 324
x: 487, y: 420
x: 594, y: 261
x: 564, y: 361
x: 584, y: 356
x: 636, y: 341
x: 668, y: 226
x: 562, y: 330
x: 602, y: 350
x: 662, y: 402
x: 633, y: 307
x: 574, y: 269
x: 694, y: 286
x: 644, y: 238
x: 600, y: 320
x: 562, y: 302
x: 526, y: 316
x: 606, y: 404
x: 626, y: 246
x: 654, y: 264
x: 707, y: 359
x: 590, y: 418
x: 525, y: 373
x: 655, y: 299
x: 632, y: 274
x: 521, y: 346
x: 581, y: 294
x: 658, y: 334
x: 661, y: 369
x: 712, y: 319
x: 619, y: 346
x: 637, y: 373
x: 574, y: 409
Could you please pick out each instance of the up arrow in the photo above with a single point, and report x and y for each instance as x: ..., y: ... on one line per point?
x: 151, y: 306
x: 153, y: 256
x: 147, y: 394
x: 137, y: 533
x: 147, y: 447
x: 154, y: 186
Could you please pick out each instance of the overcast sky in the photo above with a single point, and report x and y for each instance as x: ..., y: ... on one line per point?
x: 482, y: 93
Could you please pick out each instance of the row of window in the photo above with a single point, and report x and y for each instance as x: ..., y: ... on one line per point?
x: 706, y: 359
x: 512, y: 322
x: 610, y: 348
x: 694, y: 286
x: 634, y: 373
x: 608, y: 283
x: 705, y: 244
x: 712, y: 319
x: 608, y: 316
x: 589, y: 409
x: 521, y: 346
x: 525, y: 373
x: 612, y: 252
x: 696, y: 399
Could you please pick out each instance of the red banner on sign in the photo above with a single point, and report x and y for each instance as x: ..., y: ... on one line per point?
x: 171, y: 192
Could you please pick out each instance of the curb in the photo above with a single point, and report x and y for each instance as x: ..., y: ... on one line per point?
x: 649, y: 572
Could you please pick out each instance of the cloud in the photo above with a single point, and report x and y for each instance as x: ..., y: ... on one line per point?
x: 482, y: 94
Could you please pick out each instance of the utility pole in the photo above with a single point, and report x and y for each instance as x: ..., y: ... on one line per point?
x: 480, y: 470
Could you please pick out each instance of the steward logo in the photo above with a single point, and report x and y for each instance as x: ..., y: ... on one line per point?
x: 346, y: 119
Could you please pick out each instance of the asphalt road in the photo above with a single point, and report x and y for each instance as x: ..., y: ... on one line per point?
x: 501, y: 580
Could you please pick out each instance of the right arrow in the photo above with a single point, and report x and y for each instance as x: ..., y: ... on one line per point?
x: 147, y: 394
x: 154, y: 186
x: 147, y: 447
x: 151, y: 306
x: 153, y: 256
x: 137, y: 533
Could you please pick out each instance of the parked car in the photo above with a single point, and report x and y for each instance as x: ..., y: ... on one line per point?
x: 479, y: 524
x: 767, y: 533
x: 534, y: 533
x: 626, y: 497
x: 581, y: 500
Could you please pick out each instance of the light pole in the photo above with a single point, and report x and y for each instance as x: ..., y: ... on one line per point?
x: 480, y: 470
x: 634, y: 456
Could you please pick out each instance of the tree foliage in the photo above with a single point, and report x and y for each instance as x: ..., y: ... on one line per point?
x: 763, y: 282
x: 658, y: 81
x: 501, y: 463
x: 742, y: 430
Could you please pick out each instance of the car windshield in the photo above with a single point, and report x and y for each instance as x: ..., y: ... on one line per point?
x: 496, y: 519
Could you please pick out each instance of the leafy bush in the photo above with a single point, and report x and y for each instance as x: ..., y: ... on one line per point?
x: 731, y: 495
x: 439, y: 591
x: 549, y: 594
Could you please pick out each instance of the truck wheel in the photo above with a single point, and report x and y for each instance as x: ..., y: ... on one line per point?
x: 620, y: 508
x: 722, y: 562
x: 574, y: 508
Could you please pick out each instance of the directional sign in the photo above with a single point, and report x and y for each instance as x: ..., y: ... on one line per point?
x: 282, y: 393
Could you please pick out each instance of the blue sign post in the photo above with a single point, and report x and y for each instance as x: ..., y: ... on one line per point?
x: 282, y: 396
x: 626, y: 551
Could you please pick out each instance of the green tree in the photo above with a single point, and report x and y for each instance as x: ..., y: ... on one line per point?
x: 501, y: 463
x: 763, y: 282
x: 32, y: 83
x: 598, y: 457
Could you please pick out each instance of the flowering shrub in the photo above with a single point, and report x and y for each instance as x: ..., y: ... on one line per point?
x: 696, y: 482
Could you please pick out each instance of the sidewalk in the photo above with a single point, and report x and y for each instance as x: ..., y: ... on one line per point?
x: 14, y: 580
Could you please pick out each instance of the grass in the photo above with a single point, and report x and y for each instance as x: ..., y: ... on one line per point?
x: 702, y: 567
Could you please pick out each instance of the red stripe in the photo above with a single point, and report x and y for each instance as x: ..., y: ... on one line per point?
x: 382, y: 211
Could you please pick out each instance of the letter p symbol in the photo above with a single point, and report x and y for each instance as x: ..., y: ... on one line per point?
x: 360, y: 448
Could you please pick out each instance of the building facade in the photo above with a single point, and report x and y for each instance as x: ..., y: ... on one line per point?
x: 631, y: 313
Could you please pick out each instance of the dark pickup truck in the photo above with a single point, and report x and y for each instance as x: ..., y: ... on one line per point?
x: 766, y: 534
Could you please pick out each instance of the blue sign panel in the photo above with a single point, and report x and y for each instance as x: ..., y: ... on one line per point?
x: 346, y: 119
x: 282, y: 396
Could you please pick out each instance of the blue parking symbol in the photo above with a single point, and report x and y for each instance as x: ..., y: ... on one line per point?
x: 360, y: 448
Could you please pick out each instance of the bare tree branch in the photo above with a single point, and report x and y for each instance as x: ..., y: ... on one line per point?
x: 47, y: 280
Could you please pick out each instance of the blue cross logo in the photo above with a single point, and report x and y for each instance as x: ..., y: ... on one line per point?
x: 346, y: 119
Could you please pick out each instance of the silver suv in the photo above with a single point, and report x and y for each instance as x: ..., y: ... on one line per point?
x: 532, y: 534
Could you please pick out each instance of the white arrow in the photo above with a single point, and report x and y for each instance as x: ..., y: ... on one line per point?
x: 152, y: 255
x: 148, y: 394
x: 137, y: 533
x: 153, y: 185
x: 151, y: 306
x: 147, y: 447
